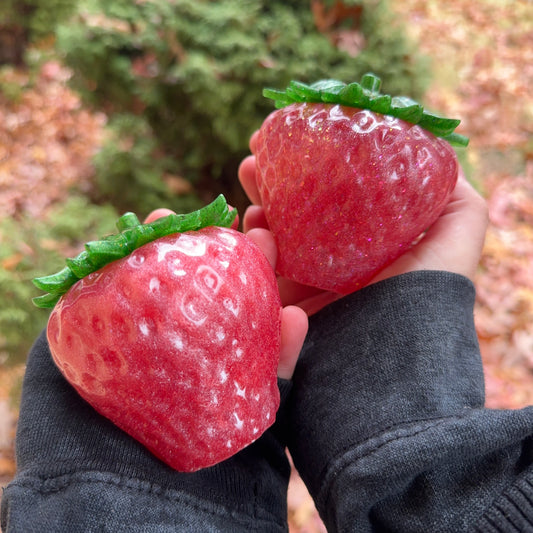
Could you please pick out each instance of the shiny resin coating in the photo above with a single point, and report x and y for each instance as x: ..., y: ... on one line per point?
x: 346, y: 191
x: 178, y: 344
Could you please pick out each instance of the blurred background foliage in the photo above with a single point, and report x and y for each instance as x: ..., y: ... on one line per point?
x: 179, y: 83
x: 29, y: 249
x: 182, y: 80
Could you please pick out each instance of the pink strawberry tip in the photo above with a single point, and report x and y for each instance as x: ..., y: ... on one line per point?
x: 132, y: 235
x: 366, y: 95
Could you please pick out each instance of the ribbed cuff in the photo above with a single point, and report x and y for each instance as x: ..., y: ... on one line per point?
x: 513, y: 511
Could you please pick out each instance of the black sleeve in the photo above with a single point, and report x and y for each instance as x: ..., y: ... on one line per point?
x: 389, y: 428
x: 78, y: 472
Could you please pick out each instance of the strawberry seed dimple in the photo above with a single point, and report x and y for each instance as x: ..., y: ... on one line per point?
x: 143, y: 327
x: 239, y: 424
x: 214, y: 398
x: 136, y: 259
x: 97, y: 324
x: 93, y: 384
x: 189, y: 246
x: 191, y: 310
x: 154, y: 285
x: 69, y: 372
x: 231, y: 306
x: 208, y: 281
x: 240, y: 391
x: 423, y: 157
x: 176, y: 341
x: 229, y: 241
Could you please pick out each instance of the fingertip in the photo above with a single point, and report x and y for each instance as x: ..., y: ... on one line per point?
x: 264, y: 239
x: 253, y: 141
x: 294, y: 327
x: 158, y: 213
x: 246, y: 174
x: 254, y: 217
x: 235, y: 223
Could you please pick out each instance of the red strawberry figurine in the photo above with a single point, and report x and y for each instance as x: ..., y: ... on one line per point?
x: 350, y: 178
x: 176, y: 341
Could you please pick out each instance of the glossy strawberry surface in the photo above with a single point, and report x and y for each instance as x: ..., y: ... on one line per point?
x: 346, y: 191
x: 178, y: 344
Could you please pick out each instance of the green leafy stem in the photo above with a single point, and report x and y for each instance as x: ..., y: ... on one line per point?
x: 132, y: 235
x: 366, y: 95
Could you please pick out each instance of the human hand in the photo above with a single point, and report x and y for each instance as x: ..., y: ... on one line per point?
x: 294, y: 322
x: 453, y: 243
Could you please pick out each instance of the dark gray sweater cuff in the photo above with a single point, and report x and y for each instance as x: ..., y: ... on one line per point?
x: 388, y: 426
x: 366, y: 366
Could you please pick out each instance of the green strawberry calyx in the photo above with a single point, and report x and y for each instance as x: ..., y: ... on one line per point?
x: 132, y: 235
x: 366, y: 95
